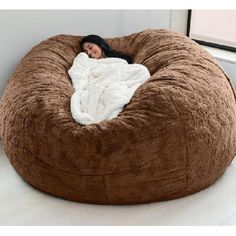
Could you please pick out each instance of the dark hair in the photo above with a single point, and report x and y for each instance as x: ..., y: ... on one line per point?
x: 106, y: 49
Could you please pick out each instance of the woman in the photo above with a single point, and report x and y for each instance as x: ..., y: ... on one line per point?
x: 102, y: 87
x: 97, y: 48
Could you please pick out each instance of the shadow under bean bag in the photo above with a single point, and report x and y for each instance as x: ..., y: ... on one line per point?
x: 176, y: 136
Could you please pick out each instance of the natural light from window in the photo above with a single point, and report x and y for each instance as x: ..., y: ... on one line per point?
x: 214, y: 26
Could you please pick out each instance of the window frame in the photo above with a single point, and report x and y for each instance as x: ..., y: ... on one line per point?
x: 206, y: 43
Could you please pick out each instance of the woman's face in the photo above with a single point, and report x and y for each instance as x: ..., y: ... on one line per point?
x: 93, y: 50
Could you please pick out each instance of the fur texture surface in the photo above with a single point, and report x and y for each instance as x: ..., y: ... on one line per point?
x: 176, y: 136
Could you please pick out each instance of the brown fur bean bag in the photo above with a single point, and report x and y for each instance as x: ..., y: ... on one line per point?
x: 175, y: 137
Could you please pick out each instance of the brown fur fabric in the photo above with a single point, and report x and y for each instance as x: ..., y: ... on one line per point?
x: 175, y: 137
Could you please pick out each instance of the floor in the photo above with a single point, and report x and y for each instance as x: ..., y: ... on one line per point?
x: 20, y: 204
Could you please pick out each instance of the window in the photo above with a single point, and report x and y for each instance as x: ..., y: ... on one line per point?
x: 215, y: 28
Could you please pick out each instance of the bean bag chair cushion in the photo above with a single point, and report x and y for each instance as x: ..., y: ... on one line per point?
x: 175, y: 137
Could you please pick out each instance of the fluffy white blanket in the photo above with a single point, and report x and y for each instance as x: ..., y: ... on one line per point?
x: 103, y: 87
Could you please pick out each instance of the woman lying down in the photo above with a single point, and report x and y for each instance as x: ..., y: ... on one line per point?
x: 104, y: 81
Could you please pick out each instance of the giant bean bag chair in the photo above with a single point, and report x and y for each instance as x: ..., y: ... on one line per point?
x: 175, y: 137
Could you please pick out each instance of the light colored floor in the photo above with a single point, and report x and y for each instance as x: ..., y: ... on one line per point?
x: 20, y: 204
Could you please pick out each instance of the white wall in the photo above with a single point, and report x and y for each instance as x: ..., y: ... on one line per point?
x: 230, y: 69
x: 22, y: 29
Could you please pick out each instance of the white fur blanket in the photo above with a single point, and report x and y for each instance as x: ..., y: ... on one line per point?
x: 102, y: 87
